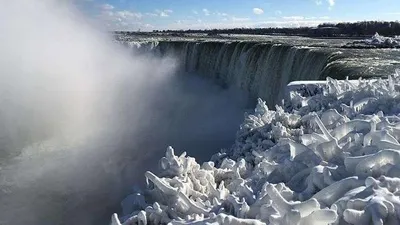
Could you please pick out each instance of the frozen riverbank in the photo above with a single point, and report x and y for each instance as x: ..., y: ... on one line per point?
x: 330, y: 157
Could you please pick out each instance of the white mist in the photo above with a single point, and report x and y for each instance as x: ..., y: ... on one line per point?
x: 82, y: 119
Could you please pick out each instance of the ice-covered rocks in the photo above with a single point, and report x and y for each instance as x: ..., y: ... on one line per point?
x: 332, y: 159
x: 377, y: 41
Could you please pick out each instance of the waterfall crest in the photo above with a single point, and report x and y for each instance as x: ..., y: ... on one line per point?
x: 262, y: 69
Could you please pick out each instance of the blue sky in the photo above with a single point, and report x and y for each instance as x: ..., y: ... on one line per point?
x: 201, y: 14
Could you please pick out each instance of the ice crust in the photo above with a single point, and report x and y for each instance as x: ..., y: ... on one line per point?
x: 329, y: 157
x: 380, y: 41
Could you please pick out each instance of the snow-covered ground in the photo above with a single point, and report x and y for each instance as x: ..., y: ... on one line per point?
x: 325, y: 157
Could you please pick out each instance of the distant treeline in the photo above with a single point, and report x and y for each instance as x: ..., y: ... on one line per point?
x: 358, y: 29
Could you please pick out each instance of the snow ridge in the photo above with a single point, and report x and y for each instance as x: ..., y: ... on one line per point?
x: 329, y: 157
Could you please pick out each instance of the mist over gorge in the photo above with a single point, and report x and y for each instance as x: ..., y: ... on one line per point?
x: 83, y: 118
x: 86, y: 118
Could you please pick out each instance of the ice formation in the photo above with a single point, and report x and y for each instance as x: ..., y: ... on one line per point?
x: 380, y: 42
x: 327, y: 157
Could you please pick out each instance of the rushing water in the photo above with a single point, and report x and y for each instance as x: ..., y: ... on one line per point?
x: 264, y: 67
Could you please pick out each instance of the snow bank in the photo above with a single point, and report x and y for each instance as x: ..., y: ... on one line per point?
x: 377, y: 41
x: 324, y: 157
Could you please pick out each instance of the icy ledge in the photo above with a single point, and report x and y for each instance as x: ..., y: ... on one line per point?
x: 332, y: 157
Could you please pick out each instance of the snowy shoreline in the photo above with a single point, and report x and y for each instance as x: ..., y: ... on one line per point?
x: 324, y: 157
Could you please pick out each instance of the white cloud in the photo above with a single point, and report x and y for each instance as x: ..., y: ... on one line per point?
x: 331, y: 3
x: 278, y: 12
x: 258, y: 11
x: 161, y: 13
x: 206, y: 12
x: 293, y: 17
x: 242, y: 22
x: 128, y: 14
x: 107, y: 7
x: 151, y: 14
x: 318, y: 2
x: 195, y: 12
x: 302, y: 18
x: 220, y: 13
x: 240, y: 19
x: 120, y: 20
x: 231, y: 21
x: 147, y: 26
